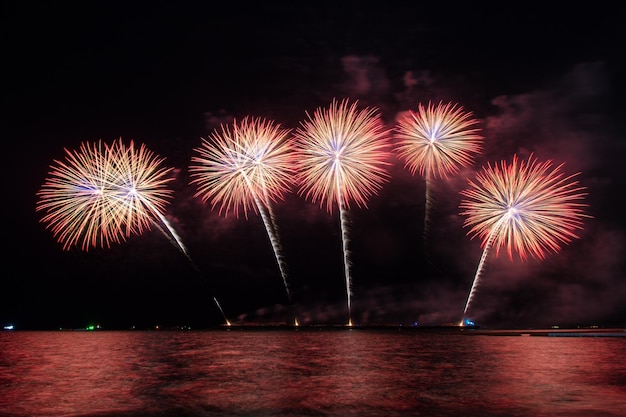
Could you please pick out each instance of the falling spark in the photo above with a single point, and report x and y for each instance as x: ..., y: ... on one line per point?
x: 529, y: 207
x: 343, y: 153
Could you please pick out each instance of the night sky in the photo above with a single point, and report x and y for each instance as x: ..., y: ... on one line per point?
x: 166, y: 74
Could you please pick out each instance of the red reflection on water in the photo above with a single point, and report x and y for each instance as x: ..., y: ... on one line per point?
x: 566, y: 375
x: 290, y: 373
x: 76, y: 372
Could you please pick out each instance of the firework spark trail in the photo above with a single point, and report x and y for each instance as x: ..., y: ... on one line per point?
x: 343, y: 153
x: 479, y: 270
x: 347, y: 264
x: 247, y: 166
x: 529, y: 207
x: 222, y: 311
x: 267, y: 215
x: 437, y: 141
x: 174, y: 238
x: 102, y: 194
x: 272, y: 228
x: 427, y: 207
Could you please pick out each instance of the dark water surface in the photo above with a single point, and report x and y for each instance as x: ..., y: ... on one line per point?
x: 308, y: 373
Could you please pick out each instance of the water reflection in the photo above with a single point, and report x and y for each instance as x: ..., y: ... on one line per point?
x: 54, y: 374
x: 308, y: 373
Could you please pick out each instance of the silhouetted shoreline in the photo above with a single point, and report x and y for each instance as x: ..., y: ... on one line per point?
x: 591, y: 331
x: 452, y: 329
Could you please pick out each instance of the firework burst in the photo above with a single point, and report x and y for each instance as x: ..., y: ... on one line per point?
x: 436, y: 142
x: 102, y: 194
x: 530, y: 208
x: 343, y: 154
x: 246, y: 167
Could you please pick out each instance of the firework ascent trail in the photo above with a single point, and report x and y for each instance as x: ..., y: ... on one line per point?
x: 479, y: 270
x: 267, y: 215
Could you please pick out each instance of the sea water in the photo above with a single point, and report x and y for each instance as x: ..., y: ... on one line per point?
x: 308, y: 373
